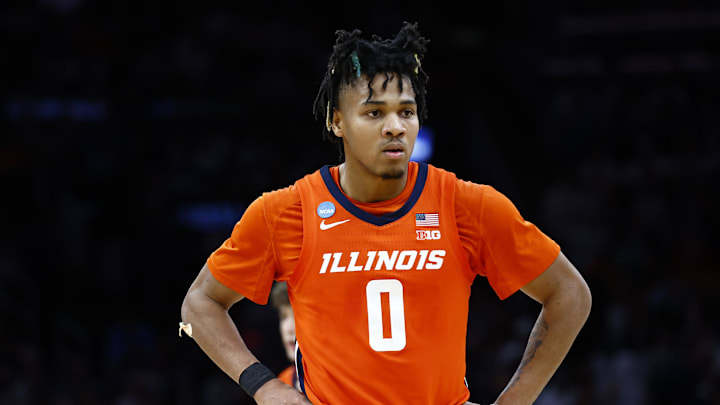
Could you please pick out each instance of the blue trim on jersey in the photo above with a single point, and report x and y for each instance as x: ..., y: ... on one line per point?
x: 300, y: 371
x: 366, y: 216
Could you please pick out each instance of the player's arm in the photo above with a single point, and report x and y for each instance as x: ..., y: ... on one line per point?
x: 205, y: 307
x: 566, y: 302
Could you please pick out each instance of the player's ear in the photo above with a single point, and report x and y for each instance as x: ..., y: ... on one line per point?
x: 337, y: 123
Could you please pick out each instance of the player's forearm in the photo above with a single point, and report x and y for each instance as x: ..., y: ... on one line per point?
x: 555, y: 330
x: 216, y: 333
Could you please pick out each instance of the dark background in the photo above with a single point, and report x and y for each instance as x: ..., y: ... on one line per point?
x: 134, y: 134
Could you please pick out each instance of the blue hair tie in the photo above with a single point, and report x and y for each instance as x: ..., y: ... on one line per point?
x: 356, y: 63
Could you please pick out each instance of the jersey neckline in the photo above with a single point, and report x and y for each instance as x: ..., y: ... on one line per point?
x: 366, y: 216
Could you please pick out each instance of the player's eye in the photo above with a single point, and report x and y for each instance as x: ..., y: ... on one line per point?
x: 373, y: 113
x: 408, y: 113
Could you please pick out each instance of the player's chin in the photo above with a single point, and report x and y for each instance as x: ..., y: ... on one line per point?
x: 393, y: 173
x: 391, y: 169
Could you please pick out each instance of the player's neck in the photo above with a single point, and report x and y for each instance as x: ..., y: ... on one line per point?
x: 361, y: 185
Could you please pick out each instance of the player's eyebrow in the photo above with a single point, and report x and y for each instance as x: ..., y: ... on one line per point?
x: 374, y: 102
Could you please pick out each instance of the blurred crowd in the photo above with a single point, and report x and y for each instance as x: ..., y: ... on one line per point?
x: 132, y: 139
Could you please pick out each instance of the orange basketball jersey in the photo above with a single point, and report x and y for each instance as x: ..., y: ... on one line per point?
x: 289, y: 376
x: 381, y: 303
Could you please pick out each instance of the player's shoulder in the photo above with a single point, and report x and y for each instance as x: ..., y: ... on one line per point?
x: 468, y: 187
x: 462, y: 187
x: 480, y: 197
x: 438, y: 170
x: 284, y: 201
x: 277, y: 201
x: 470, y: 195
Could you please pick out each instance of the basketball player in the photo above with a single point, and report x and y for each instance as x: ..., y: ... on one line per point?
x: 379, y: 255
x: 281, y: 302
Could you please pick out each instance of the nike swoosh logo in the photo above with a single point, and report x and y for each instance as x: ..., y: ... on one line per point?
x: 325, y: 227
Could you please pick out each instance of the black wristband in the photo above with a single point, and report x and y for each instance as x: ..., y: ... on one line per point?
x: 255, y: 377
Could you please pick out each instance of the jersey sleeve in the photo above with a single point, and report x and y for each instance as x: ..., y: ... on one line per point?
x: 245, y: 261
x: 264, y: 245
x: 501, y: 245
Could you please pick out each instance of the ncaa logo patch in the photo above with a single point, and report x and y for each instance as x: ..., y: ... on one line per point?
x: 326, y: 209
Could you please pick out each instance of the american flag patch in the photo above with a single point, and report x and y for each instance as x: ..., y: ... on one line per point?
x: 427, y: 219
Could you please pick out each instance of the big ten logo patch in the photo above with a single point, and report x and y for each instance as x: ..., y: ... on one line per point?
x: 423, y: 234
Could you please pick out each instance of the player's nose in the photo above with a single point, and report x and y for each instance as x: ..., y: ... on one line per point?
x: 393, y: 126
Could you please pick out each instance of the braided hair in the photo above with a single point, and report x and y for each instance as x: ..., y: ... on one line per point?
x: 354, y: 56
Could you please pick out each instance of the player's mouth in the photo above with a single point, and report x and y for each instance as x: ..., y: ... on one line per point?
x: 394, y: 150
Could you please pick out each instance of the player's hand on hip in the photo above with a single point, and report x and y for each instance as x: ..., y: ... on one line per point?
x: 276, y: 392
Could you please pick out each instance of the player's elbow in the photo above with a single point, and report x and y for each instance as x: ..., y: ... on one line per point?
x: 579, y: 301
x: 586, y: 299
x: 573, y: 302
x: 189, y: 305
x: 185, y: 308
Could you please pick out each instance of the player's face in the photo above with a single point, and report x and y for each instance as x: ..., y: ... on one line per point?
x: 378, y: 133
x: 287, y: 330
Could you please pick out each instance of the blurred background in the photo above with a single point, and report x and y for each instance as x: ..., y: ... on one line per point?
x: 134, y: 134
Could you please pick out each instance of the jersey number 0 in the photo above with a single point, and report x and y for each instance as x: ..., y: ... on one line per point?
x: 394, y: 289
